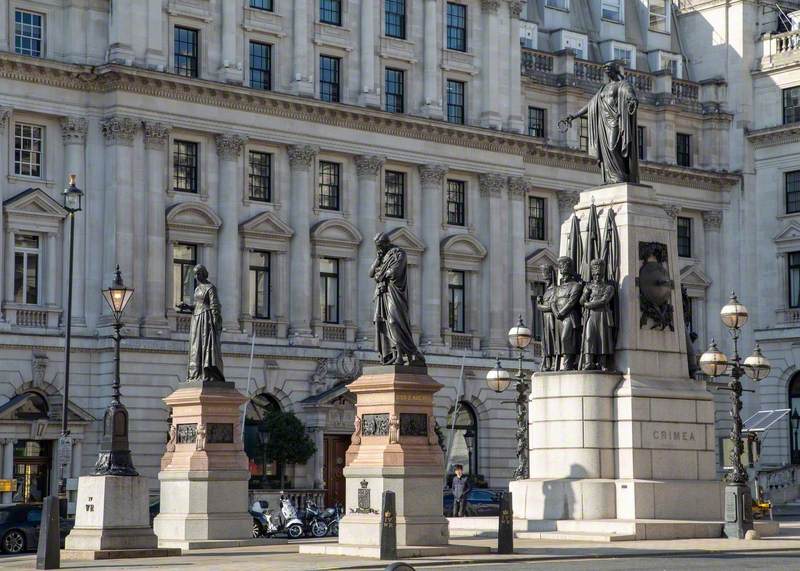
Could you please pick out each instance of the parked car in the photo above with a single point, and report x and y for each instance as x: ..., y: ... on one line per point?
x: 481, y: 502
x: 19, y: 527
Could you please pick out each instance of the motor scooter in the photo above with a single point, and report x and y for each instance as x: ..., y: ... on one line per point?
x: 271, y: 524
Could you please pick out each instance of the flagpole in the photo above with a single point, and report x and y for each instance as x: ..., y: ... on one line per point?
x: 249, y: 377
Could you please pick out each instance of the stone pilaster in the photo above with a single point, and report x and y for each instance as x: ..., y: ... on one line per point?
x: 567, y: 200
x: 301, y: 300
x: 156, y: 142
x: 155, y: 56
x: 493, y: 187
x: 4, y: 35
x: 431, y: 90
x: 712, y: 225
x: 232, y: 70
x: 5, y: 170
x: 368, y: 167
x: 120, y: 33
x: 229, y: 150
x: 516, y: 121
x: 518, y: 192
x: 302, y: 78
x: 490, y: 58
x: 368, y: 93
x: 431, y: 181
x: 672, y: 210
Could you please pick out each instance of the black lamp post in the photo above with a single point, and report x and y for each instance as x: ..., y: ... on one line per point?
x: 73, y: 203
x: 499, y: 379
x: 795, y: 420
x: 115, y: 454
x: 714, y: 363
x: 469, y: 440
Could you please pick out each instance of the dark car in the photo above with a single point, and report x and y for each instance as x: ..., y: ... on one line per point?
x: 19, y: 527
x: 481, y: 502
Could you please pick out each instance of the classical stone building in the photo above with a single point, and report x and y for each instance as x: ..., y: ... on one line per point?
x: 271, y: 140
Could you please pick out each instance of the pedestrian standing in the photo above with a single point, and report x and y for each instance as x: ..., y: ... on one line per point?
x: 461, y: 488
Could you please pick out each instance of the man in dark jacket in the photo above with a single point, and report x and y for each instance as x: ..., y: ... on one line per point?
x: 460, y: 488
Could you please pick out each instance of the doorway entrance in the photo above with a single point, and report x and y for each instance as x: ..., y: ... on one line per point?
x: 32, y: 465
x: 333, y: 469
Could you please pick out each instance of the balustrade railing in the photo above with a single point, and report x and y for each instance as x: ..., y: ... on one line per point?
x: 588, y: 70
x: 533, y: 60
x: 787, y: 42
x: 685, y: 89
x: 31, y: 318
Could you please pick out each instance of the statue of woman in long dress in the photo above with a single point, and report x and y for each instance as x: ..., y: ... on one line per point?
x: 613, y: 136
x: 205, y: 347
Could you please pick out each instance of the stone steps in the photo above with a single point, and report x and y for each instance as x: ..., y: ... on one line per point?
x: 576, y: 536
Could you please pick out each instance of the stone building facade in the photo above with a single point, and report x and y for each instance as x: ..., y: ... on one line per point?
x: 271, y: 140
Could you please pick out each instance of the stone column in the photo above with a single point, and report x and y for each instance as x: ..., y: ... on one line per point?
x: 155, y: 56
x: 119, y: 35
x: 712, y: 223
x: 301, y: 295
x: 493, y: 188
x: 73, y: 132
x: 5, y: 117
x: 368, y: 94
x: 119, y: 133
x: 232, y: 71
x: 4, y: 27
x: 490, y: 58
x: 8, y: 466
x: 516, y: 122
x: 431, y: 178
x: 432, y: 88
x: 518, y: 190
x: 368, y: 167
x: 51, y: 278
x: 74, y: 51
x: 302, y: 80
x: 229, y: 149
x: 156, y: 138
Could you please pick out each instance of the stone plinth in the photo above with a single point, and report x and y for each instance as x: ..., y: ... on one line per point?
x: 204, y: 473
x: 113, y: 518
x: 394, y: 448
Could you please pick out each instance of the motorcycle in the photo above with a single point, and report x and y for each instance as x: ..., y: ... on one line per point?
x: 331, y: 516
x: 313, y: 521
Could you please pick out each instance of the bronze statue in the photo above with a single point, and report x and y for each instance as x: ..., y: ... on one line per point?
x: 567, y: 309
x: 612, y: 127
x: 205, y: 347
x: 551, y: 327
x: 598, y: 323
x: 691, y: 336
x: 393, y: 338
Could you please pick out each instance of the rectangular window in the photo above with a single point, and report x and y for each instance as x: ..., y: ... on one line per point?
x: 260, y: 284
x: 456, y: 27
x: 184, y: 259
x: 329, y: 177
x: 260, y: 176
x: 329, y: 289
x: 455, y: 101
x: 625, y: 55
x: 395, y: 194
x: 791, y: 105
x: 456, y: 202
x: 583, y: 137
x: 260, y: 66
x: 184, y: 166
x: 658, y: 15
x: 262, y: 5
x: 537, y: 289
x: 186, y: 52
x: 794, y: 279
x: 536, y: 219
x: 28, y: 150
x: 330, y: 12
x: 684, y: 237
x: 395, y: 90
x: 683, y: 149
x: 329, y: 78
x: 560, y: 4
x: 536, y: 123
x: 641, y: 141
x: 26, y: 269
x: 27, y: 33
x: 792, y: 192
x: 395, y: 15
x: 455, y: 306
x: 611, y: 10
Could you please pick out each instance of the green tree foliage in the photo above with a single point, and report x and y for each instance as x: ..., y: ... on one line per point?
x: 288, y: 442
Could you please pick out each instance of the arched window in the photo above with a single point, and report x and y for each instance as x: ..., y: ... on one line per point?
x: 794, y: 418
x: 462, y: 432
x: 263, y: 474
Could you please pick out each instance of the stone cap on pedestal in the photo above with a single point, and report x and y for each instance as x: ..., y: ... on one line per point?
x: 385, y: 378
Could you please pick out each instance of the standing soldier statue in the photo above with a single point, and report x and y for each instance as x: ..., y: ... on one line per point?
x: 567, y: 309
x: 551, y: 327
x: 598, y: 323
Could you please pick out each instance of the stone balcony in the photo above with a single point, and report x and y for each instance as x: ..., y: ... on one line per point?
x: 779, y: 51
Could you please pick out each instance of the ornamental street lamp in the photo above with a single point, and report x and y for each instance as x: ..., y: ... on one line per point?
x: 115, y: 454
x: 499, y: 379
x: 795, y: 420
x: 714, y: 363
x: 73, y: 202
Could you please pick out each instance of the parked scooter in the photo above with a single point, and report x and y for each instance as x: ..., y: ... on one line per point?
x: 270, y: 523
x: 262, y: 520
x: 313, y: 521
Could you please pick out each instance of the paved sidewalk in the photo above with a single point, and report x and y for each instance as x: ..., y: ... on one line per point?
x: 286, y: 557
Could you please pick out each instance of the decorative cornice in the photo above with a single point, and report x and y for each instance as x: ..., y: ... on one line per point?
x: 517, y: 185
x: 229, y: 146
x: 5, y: 117
x: 672, y: 210
x: 156, y: 134
x: 119, y: 130
x: 712, y: 219
x: 73, y: 130
x: 772, y: 136
x: 491, y: 183
x: 302, y: 156
x: 490, y: 5
x: 567, y: 199
x: 432, y: 174
x: 515, y: 8
x: 369, y: 165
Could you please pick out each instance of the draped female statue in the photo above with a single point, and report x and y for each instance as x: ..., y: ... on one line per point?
x: 205, y: 347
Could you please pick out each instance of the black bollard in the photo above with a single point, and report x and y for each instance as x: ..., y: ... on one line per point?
x: 399, y: 566
x: 505, y: 528
x: 388, y: 527
x: 48, y: 553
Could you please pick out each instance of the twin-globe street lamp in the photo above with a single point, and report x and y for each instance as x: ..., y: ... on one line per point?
x: 499, y: 380
x: 714, y: 363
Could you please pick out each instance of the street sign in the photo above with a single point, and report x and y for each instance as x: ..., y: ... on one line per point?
x: 65, y: 451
